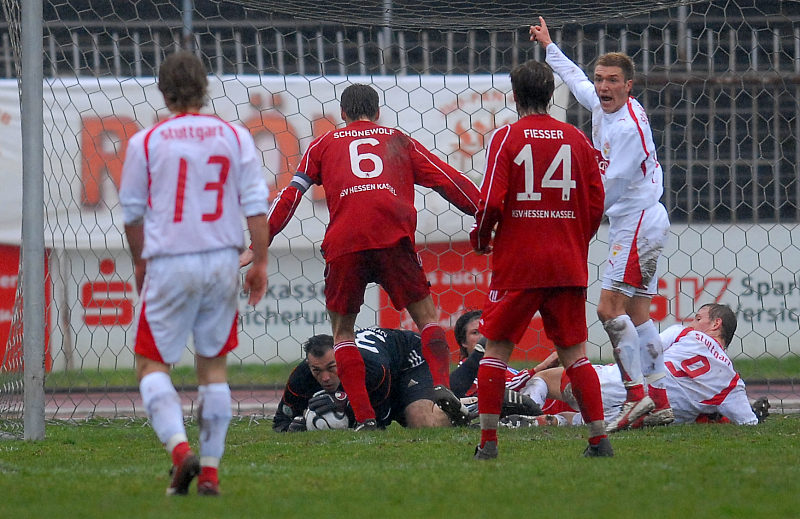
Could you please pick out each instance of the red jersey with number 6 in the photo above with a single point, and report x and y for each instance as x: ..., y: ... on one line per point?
x: 543, y: 190
x: 369, y: 172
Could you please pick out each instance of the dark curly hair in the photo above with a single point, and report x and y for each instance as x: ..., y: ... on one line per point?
x: 318, y: 345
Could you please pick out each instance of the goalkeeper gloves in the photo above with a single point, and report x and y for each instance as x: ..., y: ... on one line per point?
x: 298, y: 424
x: 323, y: 402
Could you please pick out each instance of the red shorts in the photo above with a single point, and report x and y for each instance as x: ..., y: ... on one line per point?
x: 507, y: 314
x: 397, y: 269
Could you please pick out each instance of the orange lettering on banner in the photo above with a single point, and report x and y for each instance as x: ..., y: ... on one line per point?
x: 103, y: 143
x: 710, y: 286
x: 275, y: 124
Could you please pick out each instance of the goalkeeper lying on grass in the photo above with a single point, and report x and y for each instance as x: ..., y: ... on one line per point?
x: 398, y: 381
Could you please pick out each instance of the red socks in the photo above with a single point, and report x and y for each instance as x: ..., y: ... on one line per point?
x: 436, y: 353
x: 635, y: 393
x: 586, y: 388
x: 659, y: 396
x: 180, y: 452
x: 352, y: 373
x: 209, y: 474
x: 491, y: 386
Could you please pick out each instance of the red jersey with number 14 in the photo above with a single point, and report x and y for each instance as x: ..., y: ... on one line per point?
x: 544, y: 191
x: 369, y: 172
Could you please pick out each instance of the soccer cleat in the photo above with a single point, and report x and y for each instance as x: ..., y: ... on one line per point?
x: 487, y: 452
x: 601, y: 450
x: 761, y: 408
x: 207, y: 488
x: 471, y: 403
x: 182, y: 475
x: 631, y: 411
x: 663, y: 416
x: 517, y: 403
x: 367, y: 425
x: 452, y: 406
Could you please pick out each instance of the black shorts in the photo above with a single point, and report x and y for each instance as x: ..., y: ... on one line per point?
x: 411, y: 385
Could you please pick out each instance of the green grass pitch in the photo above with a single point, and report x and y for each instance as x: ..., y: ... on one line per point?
x: 117, y: 469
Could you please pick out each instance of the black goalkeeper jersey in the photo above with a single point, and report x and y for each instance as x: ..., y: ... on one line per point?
x: 388, y: 354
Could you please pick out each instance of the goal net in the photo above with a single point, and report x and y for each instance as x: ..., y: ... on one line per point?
x: 718, y: 78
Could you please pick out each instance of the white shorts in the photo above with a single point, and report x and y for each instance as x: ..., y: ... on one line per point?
x: 189, y: 293
x: 636, y: 242
x: 611, y: 388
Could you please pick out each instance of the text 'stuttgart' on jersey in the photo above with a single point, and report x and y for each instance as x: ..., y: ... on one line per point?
x: 633, y: 178
x: 543, y: 189
x: 192, y: 177
x: 702, y: 379
x: 369, y: 172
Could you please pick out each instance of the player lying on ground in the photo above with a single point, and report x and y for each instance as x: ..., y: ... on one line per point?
x: 701, y: 380
x: 464, y: 379
x: 369, y: 173
x: 398, y: 382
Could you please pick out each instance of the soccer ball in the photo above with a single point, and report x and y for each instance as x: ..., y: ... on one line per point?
x: 326, y: 421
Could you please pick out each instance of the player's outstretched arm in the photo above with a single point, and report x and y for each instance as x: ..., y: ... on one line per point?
x: 255, y: 281
x: 431, y: 171
x: 284, y: 206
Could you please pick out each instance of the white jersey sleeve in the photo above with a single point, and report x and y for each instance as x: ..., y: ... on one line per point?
x: 702, y: 379
x: 669, y: 335
x: 573, y: 76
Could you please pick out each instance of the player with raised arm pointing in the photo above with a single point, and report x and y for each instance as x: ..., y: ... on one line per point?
x: 369, y: 172
x: 638, y: 224
x: 186, y: 183
x: 542, y: 196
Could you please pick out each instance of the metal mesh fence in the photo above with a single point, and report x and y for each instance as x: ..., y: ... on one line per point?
x: 719, y: 80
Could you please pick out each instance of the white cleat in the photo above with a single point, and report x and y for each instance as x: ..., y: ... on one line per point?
x: 631, y: 411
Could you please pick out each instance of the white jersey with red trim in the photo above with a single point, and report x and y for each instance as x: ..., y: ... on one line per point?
x: 516, y: 380
x: 701, y: 378
x: 633, y: 177
x: 192, y: 177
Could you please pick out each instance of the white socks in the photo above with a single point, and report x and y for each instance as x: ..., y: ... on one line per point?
x: 163, y: 407
x: 652, y: 354
x: 164, y: 410
x: 625, y: 342
x: 215, y: 416
x: 536, y: 388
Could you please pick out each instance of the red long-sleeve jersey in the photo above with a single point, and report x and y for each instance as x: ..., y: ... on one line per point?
x: 369, y: 172
x: 543, y: 190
